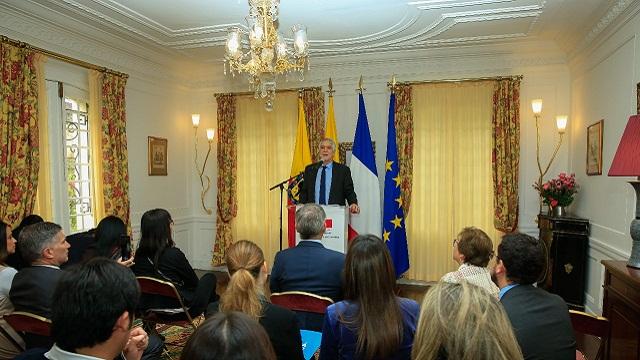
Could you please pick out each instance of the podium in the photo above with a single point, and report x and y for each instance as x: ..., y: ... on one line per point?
x: 335, y: 235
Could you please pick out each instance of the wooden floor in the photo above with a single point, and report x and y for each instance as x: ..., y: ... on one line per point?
x: 411, y: 289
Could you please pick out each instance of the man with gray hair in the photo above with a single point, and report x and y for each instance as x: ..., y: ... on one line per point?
x: 309, y: 266
x: 327, y: 182
x: 45, y: 248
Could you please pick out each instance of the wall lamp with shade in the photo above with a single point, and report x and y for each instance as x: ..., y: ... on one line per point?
x: 626, y: 162
x: 195, y: 120
x: 561, y: 124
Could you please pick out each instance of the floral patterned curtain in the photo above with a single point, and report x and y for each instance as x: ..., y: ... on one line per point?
x: 19, y: 154
x: 227, y: 173
x: 506, y: 153
x: 115, y: 168
x: 404, y: 139
x: 313, y: 100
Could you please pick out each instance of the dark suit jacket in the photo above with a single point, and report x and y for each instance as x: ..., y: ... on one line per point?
x: 309, y: 267
x: 341, y: 185
x: 541, y: 323
x: 282, y: 327
x: 32, y: 289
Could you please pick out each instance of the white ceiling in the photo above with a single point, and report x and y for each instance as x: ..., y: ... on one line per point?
x: 196, y: 29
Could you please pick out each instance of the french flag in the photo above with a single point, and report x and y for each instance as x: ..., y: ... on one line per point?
x: 365, y: 179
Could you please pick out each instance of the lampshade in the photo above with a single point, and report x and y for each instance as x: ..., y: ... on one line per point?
x: 536, y: 106
x: 210, y: 134
x: 561, y: 123
x: 627, y: 159
x: 195, y: 119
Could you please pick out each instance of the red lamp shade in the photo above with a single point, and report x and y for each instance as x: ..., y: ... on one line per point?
x: 627, y: 159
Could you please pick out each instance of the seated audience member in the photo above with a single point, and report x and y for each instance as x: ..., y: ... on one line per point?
x: 472, y: 250
x: 15, y: 260
x: 157, y: 256
x: 109, y: 236
x: 371, y: 323
x: 245, y: 293
x: 229, y: 336
x: 309, y: 266
x: 45, y: 248
x: 93, y: 313
x: 540, y: 320
x: 7, y: 246
x: 462, y: 321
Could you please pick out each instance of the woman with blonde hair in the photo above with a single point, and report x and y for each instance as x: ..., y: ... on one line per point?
x: 245, y: 293
x: 472, y: 250
x: 372, y: 322
x: 463, y: 322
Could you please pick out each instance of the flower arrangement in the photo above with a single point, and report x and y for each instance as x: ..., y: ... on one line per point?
x: 558, y: 191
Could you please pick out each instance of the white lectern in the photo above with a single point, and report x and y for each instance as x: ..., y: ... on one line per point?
x: 335, y: 236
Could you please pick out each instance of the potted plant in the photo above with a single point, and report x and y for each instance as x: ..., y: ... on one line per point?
x: 558, y: 193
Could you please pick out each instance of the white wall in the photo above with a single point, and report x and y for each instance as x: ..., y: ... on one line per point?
x: 603, y: 86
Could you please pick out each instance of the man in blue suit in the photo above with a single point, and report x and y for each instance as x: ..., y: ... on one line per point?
x: 309, y: 266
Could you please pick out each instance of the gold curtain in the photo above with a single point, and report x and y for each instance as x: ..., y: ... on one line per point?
x: 265, y: 152
x: 452, y: 172
x: 506, y: 150
x: 43, y: 206
x: 115, y: 171
x: 227, y: 180
x: 95, y: 131
x: 404, y: 141
x: 313, y: 102
x: 19, y: 148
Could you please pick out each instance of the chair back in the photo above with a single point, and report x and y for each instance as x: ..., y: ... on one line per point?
x: 156, y: 287
x: 596, y: 328
x: 22, y: 321
x: 301, y: 301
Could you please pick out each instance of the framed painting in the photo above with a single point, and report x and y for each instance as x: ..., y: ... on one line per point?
x: 594, y: 148
x: 157, y: 156
x: 345, y: 149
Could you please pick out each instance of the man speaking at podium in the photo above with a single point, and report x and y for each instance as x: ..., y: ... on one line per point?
x: 327, y: 182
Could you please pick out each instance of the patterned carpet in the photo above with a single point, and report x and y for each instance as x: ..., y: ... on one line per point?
x: 175, y: 338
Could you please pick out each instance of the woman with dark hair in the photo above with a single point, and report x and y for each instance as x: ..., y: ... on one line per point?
x: 157, y: 256
x: 7, y: 246
x: 245, y: 293
x: 109, y: 238
x: 371, y: 323
x: 229, y: 336
x: 15, y: 259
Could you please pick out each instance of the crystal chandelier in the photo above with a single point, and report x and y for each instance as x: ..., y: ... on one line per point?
x: 267, y: 53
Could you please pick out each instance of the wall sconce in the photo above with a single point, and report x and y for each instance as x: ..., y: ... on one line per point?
x: 561, y: 124
x: 195, y: 119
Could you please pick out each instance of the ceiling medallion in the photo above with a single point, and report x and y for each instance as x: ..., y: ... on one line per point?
x: 262, y: 52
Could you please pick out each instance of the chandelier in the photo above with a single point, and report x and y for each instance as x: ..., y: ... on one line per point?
x: 262, y: 53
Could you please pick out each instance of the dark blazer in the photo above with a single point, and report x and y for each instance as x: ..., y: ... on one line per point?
x: 341, y: 185
x: 309, y: 267
x: 541, y: 323
x: 282, y: 327
x: 32, y: 289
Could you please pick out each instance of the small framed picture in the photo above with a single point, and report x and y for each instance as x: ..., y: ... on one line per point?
x: 157, y: 156
x: 594, y: 148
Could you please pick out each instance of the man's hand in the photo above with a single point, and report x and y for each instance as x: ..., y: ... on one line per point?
x: 354, y: 209
x: 125, y: 263
x: 138, y: 341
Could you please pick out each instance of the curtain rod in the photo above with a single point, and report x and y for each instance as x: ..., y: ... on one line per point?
x: 514, y: 77
x: 61, y: 57
x: 277, y: 91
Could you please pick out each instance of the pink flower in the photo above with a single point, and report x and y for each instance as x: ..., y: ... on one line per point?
x: 545, y: 186
x: 554, y: 203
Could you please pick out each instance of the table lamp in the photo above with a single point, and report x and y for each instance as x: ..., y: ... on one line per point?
x: 627, y: 163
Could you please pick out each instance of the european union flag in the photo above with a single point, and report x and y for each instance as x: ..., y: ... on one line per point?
x: 393, y: 225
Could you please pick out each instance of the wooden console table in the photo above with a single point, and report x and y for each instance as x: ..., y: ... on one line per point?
x: 622, y: 308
